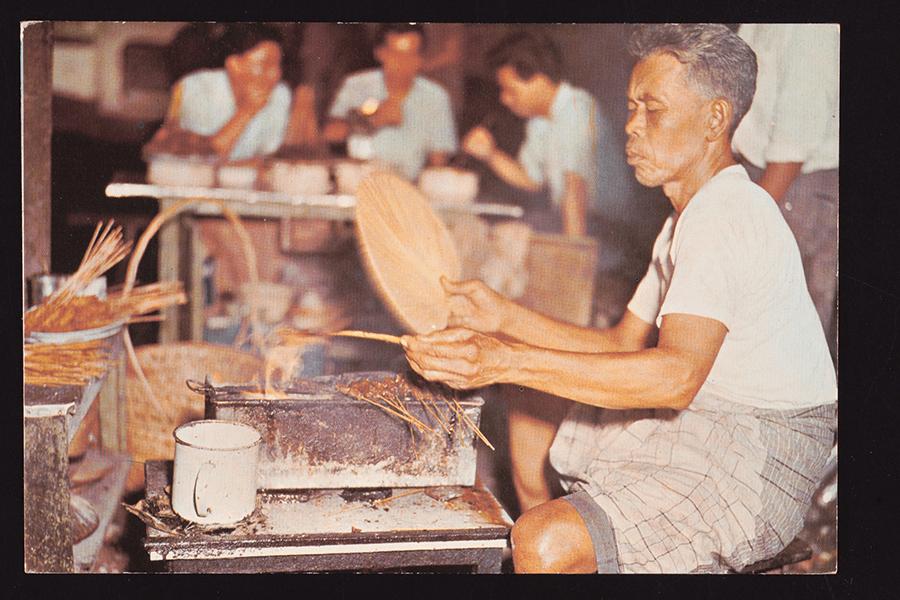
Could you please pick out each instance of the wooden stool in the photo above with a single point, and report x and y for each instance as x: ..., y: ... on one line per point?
x: 319, y: 530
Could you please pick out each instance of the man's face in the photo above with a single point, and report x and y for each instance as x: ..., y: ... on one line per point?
x: 401, y: 54
x: 259, y: 66
x: 521, y: 96
x: 667, y: 120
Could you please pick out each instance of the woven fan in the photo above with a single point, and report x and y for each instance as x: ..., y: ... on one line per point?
x: 405, y: 249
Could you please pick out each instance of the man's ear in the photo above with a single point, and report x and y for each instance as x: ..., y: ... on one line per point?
x: 719, y: 118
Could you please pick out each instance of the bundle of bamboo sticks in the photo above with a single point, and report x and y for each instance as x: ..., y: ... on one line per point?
x: 64, y: 364
x: 65, y: 310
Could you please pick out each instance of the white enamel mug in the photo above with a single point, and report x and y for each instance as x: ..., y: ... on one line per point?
x: 214, y: 479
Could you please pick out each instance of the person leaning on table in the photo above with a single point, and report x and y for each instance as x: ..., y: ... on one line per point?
x: 700, y: 453
x: 237, y: 112
x: 560, y: 147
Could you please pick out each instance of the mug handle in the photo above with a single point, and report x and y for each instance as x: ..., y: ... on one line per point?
x: 205, y: 468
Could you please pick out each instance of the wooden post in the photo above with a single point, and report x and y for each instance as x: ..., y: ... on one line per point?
x: 169, y: 262
x: 196, y: 309
x: 37, y: 63
x: 48, y: 534
x: 113, y: 411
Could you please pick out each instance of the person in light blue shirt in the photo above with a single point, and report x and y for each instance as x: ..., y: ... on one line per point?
x: 560, y: 148
x: 392, y: 114
x: 238, y: 112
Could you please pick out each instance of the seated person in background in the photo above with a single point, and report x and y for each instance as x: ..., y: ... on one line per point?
x: 237, y: 112
x: 560, y: 147
x: 392, y: 114
x: 700, y: 452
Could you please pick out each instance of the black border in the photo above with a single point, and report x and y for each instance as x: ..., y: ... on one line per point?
x: 869, y: 300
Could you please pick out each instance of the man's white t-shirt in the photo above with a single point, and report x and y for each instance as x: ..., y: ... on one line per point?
x: 795, y: 112
x: 730, y: 256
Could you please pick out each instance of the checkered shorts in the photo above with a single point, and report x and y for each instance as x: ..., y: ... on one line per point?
x: 712, y: 488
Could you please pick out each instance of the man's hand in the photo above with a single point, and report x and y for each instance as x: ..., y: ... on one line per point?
x: 251, y: 97
x: 778, y: 177
x: 461, y: 358
x: 303, y: 126
x: 476, y: 306
x: 479, y: 143
x: 389, y: 113
x: 173, y: 140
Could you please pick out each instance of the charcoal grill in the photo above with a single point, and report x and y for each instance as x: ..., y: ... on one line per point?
x: 316, y: 437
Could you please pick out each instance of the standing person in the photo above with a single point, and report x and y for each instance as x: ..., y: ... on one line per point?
x: 393, y: 114
x: 560, y: 153
x: 789, y: 144
x: 238, y: 112
x: 700, y: 452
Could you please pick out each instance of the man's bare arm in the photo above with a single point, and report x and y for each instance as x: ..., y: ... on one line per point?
x: 438, y: 159
x: 574, y: 205
x: 509, y: 170
x: 667, y: 376
x: 336, y: 131
x: 778, y: 177
x: 473, y: 305
x: 224, y: 140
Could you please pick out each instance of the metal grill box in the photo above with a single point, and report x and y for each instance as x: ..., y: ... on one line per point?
x: 315, y: 437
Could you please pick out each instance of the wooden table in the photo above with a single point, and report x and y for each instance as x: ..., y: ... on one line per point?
x: 179, y: 255
x: 318, y: 530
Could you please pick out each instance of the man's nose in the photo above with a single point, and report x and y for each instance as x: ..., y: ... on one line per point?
x: 632, y: 124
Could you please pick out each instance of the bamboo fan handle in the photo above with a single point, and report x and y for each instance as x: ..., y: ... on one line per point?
x: 141, y: 247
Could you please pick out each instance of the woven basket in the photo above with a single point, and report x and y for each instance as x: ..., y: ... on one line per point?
x: 157, y: 399
x: 167, y: 367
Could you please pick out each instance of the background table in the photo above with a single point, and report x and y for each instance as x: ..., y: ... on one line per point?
x: 179, y: 254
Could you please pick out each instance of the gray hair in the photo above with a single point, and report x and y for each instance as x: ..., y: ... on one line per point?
x: 719, y: 63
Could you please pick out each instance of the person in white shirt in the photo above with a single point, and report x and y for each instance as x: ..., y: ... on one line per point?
x: 560, y: 147
x: 789, y: 143
x: 238, y: 112
x: 393, y: 114
x: 699, y: 452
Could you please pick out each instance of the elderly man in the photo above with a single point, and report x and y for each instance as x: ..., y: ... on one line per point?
x: 392, y: 114
x: 699, y: 453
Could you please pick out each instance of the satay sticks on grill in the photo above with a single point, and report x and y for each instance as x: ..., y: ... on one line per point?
x: 392, y: 396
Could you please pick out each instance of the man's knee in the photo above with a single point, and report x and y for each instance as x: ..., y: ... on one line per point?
x: 552, y: 538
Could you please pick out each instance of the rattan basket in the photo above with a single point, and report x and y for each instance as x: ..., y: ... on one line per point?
x: 156, y: 397
x: 167, y: 367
